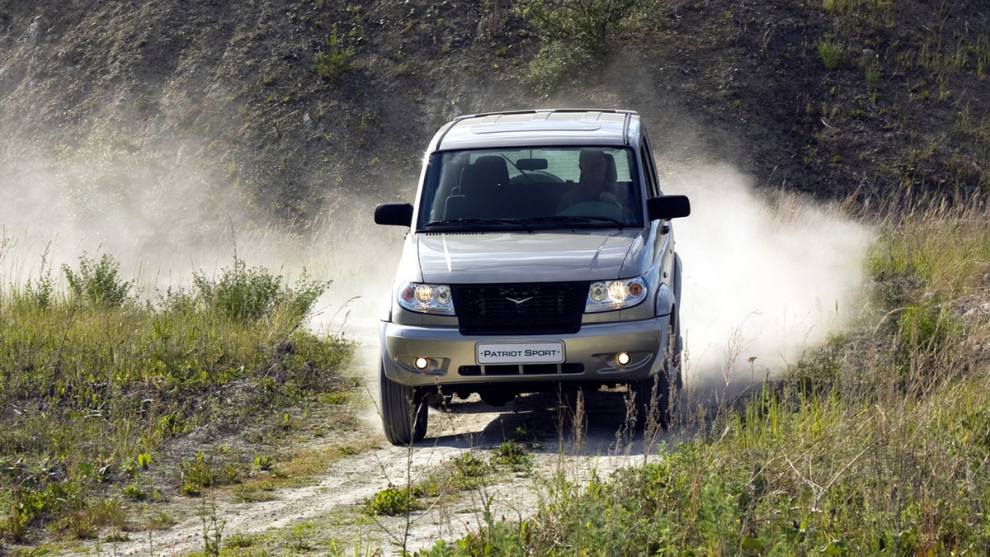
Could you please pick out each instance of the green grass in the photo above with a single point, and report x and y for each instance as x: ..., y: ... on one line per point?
x: 876, y: 444
x: 512, y: 455
x: 392, y: 501
x: 96, y: 380
x: 254, y: 492
x: 831, y: 54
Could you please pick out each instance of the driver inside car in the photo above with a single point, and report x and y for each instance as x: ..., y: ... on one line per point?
x: 596, y: 183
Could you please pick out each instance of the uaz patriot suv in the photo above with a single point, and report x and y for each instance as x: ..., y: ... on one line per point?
x: 540, y: 256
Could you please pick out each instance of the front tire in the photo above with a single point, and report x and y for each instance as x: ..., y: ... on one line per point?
x: 652, y: 396
x: 404, y: 412
x: 651, y: 399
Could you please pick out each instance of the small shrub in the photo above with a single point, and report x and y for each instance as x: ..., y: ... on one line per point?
x: 873, y: 73
x: 250, y: 294
x: 190, y: 489
x: 199, y: 471
x: 301, y: 535
x: 239, y: 541
x: 512, y: 455
x: 470, y: 466
x: 98, y: 283
x: 586, y: 24
x: 254, y: 493
x: 831, y: 54
x: 391, y: 502
x: 334, y: 398
x: 81, y: 526
x: 109, y: 512
x: 574, y: 34
x: 336, y: 62
x: 117, y: 537
x: 40, y: 293
x: 161, y: 521
x: 134, y: 492
x: 555, y: 62
x: 264, y: 462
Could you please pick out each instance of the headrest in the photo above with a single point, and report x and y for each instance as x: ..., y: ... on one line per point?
x: 484, y: 176
x: 610, y: 173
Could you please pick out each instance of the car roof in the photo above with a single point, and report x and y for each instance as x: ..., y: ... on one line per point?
x: 542, y: 127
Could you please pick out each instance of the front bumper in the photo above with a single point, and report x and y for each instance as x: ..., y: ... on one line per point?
x: 589, y: 355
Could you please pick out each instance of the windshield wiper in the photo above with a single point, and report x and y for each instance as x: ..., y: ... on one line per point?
x: 573, y: 218
x: 516, y: 222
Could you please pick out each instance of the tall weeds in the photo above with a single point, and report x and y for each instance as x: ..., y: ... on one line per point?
x: 93, y: 378
x: 877, y: 444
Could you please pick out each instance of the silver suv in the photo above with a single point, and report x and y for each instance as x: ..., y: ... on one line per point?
x: 540, y: 256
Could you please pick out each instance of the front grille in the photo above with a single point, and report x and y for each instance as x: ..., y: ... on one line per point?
x: 544, y: 308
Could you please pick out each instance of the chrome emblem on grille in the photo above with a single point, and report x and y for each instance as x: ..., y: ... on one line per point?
x: 519, y: 302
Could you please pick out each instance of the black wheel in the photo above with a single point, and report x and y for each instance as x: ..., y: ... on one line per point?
x: 404, y: 412
x: 496, y: 398
x: 651, y: 398
x: 676, y: 348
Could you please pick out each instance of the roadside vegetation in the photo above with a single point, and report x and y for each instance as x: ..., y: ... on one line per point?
x: 879, y: 443
x: 98, y: 380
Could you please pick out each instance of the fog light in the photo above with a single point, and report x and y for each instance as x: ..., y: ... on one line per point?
x: 422, y: 363
x: 622, y: 358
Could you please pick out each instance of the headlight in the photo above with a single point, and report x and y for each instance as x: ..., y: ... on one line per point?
x: 426, y: 298
x: 615, y: 294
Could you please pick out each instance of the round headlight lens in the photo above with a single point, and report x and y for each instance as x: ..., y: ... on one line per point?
x: 424, y: 294
x: 635, y: 290
x: 618, y: 291
x: 442, y: 295
x: 408, y: 294
x: 598, y: 292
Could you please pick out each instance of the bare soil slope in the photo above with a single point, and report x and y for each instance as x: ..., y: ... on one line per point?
x: 827, y: 97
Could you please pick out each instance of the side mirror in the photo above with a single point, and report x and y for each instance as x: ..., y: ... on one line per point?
x: 668, y: 207
x: 395, y: 214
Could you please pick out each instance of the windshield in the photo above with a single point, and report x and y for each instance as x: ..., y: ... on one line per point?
x: 531, y: 189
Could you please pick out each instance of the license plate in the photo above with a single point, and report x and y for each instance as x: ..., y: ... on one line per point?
x: 522, y: 353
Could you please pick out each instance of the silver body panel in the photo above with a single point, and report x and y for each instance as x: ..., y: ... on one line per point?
x: 538, y: 128
x: 548, y: 256
x: 594, y: 346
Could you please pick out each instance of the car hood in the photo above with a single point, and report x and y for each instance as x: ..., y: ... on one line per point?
x: 514, y: 257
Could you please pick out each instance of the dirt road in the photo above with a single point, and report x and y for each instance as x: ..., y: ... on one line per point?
x: 329, y: 508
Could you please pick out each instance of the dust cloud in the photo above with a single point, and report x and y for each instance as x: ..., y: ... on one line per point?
x: 164, y: 216
x: 767, y: 276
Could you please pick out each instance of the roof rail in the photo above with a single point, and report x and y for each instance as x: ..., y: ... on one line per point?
x: 540, y: 110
